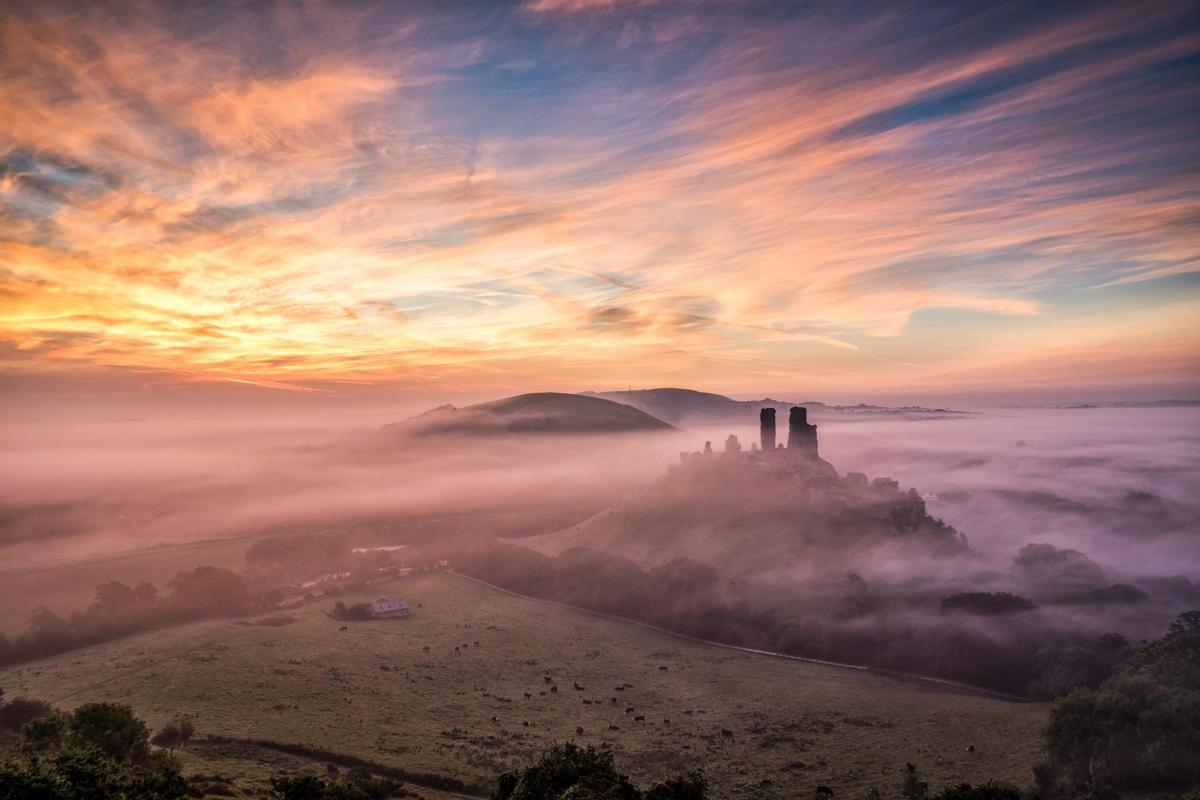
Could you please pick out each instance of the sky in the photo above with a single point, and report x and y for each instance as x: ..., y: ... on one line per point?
x: 839, y: 201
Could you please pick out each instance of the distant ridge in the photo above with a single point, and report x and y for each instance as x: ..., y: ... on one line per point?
x: 688, y: 406
x: 536, y: 413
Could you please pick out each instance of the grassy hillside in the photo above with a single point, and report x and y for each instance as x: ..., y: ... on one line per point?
x: 375, y: 692
x: 745, y: 522
x: 680, y: 406
x: 540, y: 412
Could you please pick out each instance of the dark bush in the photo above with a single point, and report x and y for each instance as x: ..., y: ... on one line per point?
x: 110, y: 728
x: 982, y: 791
x: 587, y: 773
x: 99, y: 753
x: 21, y: 710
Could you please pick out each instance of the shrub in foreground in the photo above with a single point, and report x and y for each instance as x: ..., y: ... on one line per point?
x: 588, y: 773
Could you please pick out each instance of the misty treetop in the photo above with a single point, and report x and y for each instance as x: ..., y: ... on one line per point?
x: 1139, y: 730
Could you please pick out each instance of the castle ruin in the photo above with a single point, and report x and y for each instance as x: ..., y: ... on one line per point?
x: 801, y: 435
x: 800, y: 463
x: 766, y: 428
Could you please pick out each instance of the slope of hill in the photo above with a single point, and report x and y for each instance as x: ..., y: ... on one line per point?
x: 678, y: 406
x: 748, y: 520
x: 540, y: 412
x: 460, y: 690
x: 687, y: 406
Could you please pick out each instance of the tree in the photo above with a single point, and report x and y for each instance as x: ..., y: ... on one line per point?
x: 304, y: 787
x: 103, y: 755
x: 359, y: 611
x: 358, y: 784
x: 16, y: 713
x: 1139, y: 730
x: 44, y: 733
x: 586, y: 773
x: 567, y: 770
x: 110, y: 728
x: 168, y: 737
x: 209, y: 590
x: 691, y: 787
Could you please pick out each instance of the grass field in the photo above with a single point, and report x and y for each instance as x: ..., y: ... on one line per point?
x: 374, y: 692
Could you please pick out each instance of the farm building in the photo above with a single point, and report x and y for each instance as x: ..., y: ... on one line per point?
x: 388, y: 607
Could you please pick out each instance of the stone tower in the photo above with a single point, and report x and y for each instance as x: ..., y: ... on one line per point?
x: 766, y: 425
x: 801, y: 436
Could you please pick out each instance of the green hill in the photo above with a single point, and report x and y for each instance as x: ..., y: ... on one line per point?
x: 537, y: 413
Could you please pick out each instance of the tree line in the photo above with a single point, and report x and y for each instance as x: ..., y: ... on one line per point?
x: 119, y: 610
x: 688, y: 597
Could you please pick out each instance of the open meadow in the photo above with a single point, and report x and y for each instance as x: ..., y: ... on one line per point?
x: 477, y: 682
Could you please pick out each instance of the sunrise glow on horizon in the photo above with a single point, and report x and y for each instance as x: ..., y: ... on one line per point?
x: 566, y: 194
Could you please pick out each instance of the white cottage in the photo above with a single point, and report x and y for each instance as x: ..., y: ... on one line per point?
x: 382, y: 607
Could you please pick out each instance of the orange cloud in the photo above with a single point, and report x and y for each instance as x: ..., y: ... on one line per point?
x: 355, y: 204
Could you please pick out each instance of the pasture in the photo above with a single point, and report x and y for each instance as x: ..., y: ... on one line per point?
x: 476, y: 682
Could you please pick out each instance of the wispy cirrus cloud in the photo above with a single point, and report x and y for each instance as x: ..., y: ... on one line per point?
x: 582, y: 192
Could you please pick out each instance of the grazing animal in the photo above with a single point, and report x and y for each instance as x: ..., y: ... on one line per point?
x: 971, y: 749
x: 666, y: 722
x: 542, y: 693
x: 614, y: 700
x: 546, y: 678
x: 613, y: 728
x: 477, y: 644
x: 553, y: 690
x: 525, y: 723
x: 618, y: 688
x: 579, y: 731
x: 528, y: 695
x: 343, y: 628
x: 587, y: 702
x: 823, y: 792
x: 629, y: 709
x: 457, y: 650
x: 728, y: 734
x: 639, y: 718
x: 494, y: 719
x: 911, y: 767
x: 425, y: 649
x: 578, y: 688
x: 662, y: 669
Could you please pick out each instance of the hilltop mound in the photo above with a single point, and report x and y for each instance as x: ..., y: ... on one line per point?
x: 749, y: 518
x: 540, y: 412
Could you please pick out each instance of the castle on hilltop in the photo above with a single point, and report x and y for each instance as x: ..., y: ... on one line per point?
x: 800, y: 463
x: 802, y: 437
